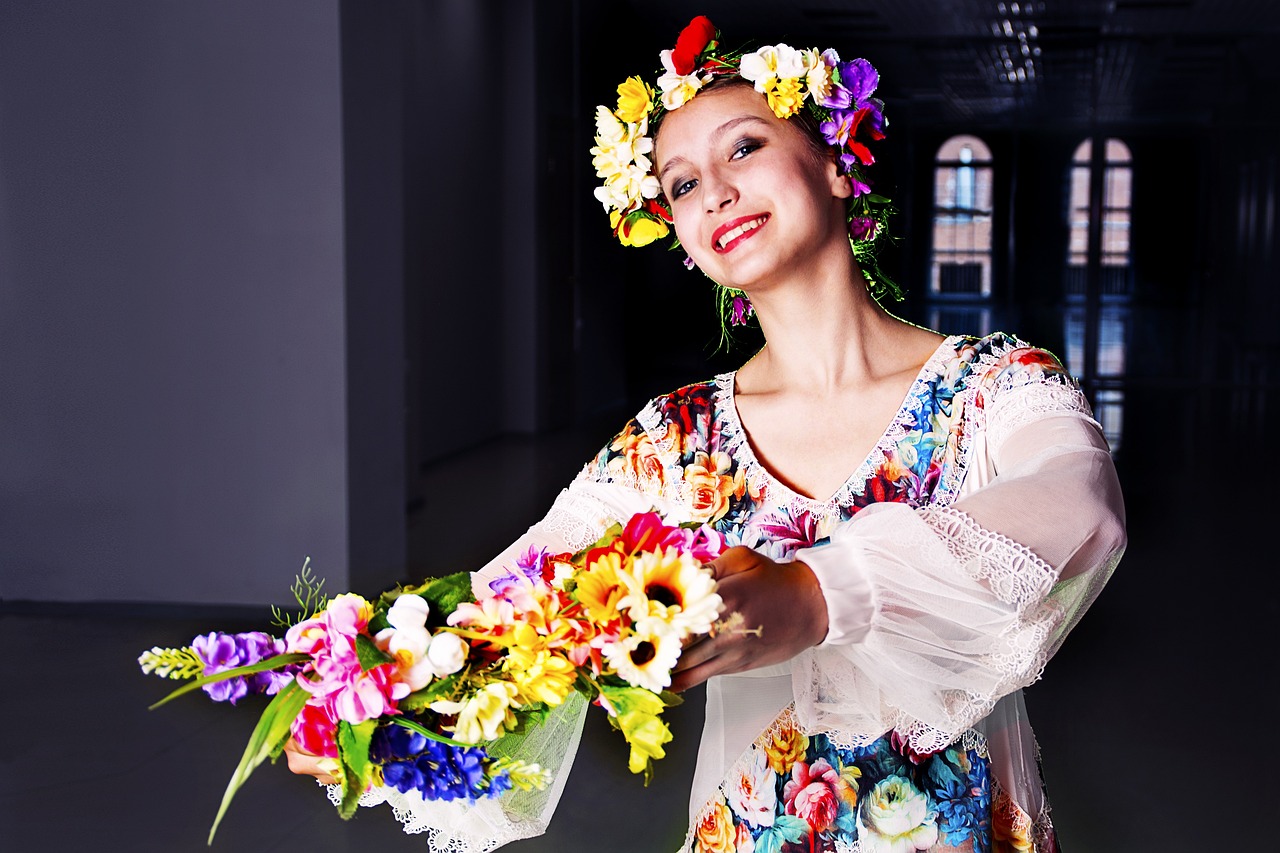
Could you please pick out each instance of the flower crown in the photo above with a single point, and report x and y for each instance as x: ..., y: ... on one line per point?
x: 836, y: 94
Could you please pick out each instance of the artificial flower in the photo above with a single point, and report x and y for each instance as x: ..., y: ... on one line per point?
x: 824, y: 83
x: 539, y: 674
x: 646, y: 656
x: 896, y: 817
x: 678, y: 89
x: 485, y: 715
x: 670, y: 586
x: 752, y: 790
x: 220, y: 652
x: 770, y: 64
x: 692, y: 41
x: 635, y: 100
x: 599, y: 589
x: 638, y: 230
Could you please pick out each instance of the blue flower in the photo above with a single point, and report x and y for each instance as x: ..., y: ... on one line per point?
x: 438, y: 771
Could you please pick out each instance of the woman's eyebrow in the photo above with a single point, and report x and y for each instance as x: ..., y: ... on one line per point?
x: 714, y: 138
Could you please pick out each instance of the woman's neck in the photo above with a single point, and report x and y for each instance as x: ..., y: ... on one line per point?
x: 826, y: 333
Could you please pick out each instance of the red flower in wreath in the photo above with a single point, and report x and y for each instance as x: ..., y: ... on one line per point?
x: 692, y: 41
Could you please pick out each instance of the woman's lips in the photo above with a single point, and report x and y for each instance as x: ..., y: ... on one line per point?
x: 733, y: 232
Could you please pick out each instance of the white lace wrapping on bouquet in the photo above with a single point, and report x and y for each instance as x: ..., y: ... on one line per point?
x: 462, y: 827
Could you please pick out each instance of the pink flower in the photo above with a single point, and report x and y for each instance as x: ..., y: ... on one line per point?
x: 333, y: 677
x: 316, y: 731
x: 751, y: 791
x: 646, y: 532
x: 814, y: 793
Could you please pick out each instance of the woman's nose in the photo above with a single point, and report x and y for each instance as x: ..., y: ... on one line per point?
x: 718, y: 193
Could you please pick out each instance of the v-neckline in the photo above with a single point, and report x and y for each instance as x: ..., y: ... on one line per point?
x: 738, y: 446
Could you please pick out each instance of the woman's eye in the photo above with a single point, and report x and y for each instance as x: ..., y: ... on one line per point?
x: 681, y: 189
x: 743, y: 149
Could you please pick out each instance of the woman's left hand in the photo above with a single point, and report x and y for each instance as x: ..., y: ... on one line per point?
x: 782, y: 600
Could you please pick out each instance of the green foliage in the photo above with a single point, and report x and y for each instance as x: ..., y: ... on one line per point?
x: 263, y: 665
x: 427, y: 733
x: 353, y: 754
x: 308, y: 591
x: 369, y: 655
x: 441, y: 688
x: 267, y: 740
x: 443, y: 594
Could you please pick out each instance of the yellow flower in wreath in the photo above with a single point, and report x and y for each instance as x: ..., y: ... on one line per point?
x: 635, y: 100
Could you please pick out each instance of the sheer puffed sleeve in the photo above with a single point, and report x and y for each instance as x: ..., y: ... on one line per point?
x: 600, y: 496
x: 937, y: 612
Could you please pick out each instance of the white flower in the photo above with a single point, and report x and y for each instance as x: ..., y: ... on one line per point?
x: 485, y: 715
x: 895, y: 818
x: 771, y: 63
x: 670, y: 586
x: 609, y: 128
x: 646, y: 657
x: 752, y: 791
x: 678, y: 89
x: 447, y: 653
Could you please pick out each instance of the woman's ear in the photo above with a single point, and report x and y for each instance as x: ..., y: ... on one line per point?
x: 841, y: 186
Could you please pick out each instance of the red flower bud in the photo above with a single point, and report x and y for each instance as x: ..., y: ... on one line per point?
x: 692, y: 41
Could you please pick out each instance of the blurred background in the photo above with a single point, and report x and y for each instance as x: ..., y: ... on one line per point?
x: 290, y: 278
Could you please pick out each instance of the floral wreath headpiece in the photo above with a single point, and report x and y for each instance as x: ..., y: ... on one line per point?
x: 836, y: 94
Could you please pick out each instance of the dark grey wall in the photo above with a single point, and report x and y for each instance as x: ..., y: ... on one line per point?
x: 172, y: 361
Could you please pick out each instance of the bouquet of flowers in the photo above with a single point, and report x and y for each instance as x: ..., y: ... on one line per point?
x: 413, y: 689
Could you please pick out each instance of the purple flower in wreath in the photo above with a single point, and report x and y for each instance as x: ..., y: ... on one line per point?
x: 861, y: 78
x: 741, y: 311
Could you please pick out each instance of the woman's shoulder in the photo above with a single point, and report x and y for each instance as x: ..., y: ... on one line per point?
x: 1001, y: 361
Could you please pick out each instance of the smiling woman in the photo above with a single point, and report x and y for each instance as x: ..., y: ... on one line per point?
x: 878, y: 481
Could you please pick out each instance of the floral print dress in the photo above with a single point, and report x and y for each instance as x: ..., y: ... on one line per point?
x: 798, y: 792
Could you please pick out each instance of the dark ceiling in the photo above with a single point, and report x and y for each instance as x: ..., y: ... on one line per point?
x: 1044, y: 61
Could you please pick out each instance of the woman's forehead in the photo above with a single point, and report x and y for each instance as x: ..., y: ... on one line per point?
x: 708, y: 116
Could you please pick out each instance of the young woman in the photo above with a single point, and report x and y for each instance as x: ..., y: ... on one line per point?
x: 918, y: 520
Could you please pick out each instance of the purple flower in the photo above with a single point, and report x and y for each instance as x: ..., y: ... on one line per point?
x: 742, y: 310
x: 529, y: 568
x: 839, y: 97
x: 221, y: 652
x: 860, y: 78
x: 837, y: 131
x: 688, y: 262
x: 862, y: 227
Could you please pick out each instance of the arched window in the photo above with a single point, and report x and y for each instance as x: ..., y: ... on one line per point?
x: 962, y: 218
x: 1117, y: 218
x: 1106, y: 309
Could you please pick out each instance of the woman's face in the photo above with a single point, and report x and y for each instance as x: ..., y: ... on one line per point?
x: 750, y: 196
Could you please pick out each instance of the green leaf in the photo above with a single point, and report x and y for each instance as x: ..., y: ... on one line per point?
x: 443, y: 594
x: 878, y: 199
x: 353, y: 752
x: 427, y: 733
x: 369, y: 655
x: 441, y: 688
x: 268, y: 736
x: 792, y: 828
x: 263, y: 665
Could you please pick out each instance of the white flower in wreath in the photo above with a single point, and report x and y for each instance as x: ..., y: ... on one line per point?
x: 772, y: 63
x: 896, y: 817
x: 752, y: 791
x: 678, y: 89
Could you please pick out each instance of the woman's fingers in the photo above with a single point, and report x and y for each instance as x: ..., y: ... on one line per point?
x: 306, y: 764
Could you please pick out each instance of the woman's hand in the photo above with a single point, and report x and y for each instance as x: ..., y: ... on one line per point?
x: 783, y: 600
x: 306, y: 764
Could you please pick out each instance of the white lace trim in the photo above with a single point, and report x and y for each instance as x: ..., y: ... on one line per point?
x: 576, y: 518
x: 1014, y: 408
x: 757, y: 475
x: 1010, y: 570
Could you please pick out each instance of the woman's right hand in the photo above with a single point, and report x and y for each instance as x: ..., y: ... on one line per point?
x: 306, y: 764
